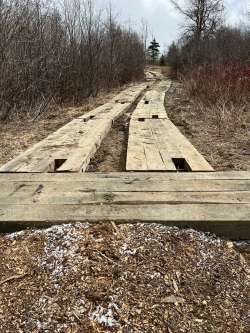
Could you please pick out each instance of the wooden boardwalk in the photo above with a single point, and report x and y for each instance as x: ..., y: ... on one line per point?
x: 151, y: 105
x: 71, y: 147
x: 48, y: 184
x: 155, y: 144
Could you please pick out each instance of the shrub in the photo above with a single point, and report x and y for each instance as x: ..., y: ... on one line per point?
x: 221, y: 95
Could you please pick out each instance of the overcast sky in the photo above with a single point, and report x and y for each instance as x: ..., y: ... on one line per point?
x: 163, y: 18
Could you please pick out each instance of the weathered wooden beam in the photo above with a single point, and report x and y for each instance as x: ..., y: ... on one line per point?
x: 216, y: 202
x: 230, y: 220
x: 74, y: 144
x: 123, y: 176
x: 162, y: 147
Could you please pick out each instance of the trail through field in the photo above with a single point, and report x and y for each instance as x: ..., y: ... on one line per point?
x: 122, y: 211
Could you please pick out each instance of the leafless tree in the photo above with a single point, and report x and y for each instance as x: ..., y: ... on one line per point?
x: 203, y: 17
x: 145, y: 31
x: 68, y: 51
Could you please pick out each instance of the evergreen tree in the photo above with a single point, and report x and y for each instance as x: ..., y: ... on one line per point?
x: 153, y: 51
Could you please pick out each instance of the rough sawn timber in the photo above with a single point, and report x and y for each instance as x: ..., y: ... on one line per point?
x: 151, y: 105
x: 215, y: 202
x: 155, y: 143
x: 71, y: 147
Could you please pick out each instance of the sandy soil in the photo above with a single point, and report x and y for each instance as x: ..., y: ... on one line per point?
x: 127, y: 278
x: 224, y: 150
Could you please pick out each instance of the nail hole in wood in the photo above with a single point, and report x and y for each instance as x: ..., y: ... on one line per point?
x: 146, y: 102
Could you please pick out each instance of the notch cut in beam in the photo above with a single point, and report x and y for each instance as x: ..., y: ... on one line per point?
x: 181, y: 165
x: 58, y: 163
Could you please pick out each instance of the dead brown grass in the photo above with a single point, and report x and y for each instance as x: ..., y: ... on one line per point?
x: 219, y: 131
x: 221, y: 96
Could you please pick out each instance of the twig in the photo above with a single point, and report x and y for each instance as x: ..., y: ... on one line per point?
x: 14, y: 277
x: 105, y: 257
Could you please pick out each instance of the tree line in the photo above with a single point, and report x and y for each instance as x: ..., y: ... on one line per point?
x: 67, y: 51
x: 206, y: 38
x: 213, y: 61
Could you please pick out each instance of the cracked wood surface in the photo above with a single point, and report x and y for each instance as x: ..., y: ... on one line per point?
x: 215, y: 202
x: 155, y: 143
x: 70, y: 148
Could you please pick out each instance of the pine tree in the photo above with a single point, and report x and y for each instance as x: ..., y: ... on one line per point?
x: 153, y: 51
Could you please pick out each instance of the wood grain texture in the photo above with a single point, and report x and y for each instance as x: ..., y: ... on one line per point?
x: 216, y: 202
x: 140, y: 186
x: 124, y: 176
x: 155, y: 144
x: 74, y: 144
x: 151, y: 105
x: 230, y: 220
x: 159, y: 143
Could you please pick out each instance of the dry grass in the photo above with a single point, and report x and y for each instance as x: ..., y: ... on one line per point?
x: 221, y: 96
x: 221, y: 135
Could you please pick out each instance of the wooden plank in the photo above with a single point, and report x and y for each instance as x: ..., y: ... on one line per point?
x: 79, y: 160
x: 137, y: 158
x: 157, y: 212
x: 106, y: 111
x: 162, y: 135
x: 116, y: 197
x: 152, y: 104
x: 152, y: 132
x: 166, y: 156
x: 195, y: 160
x: 76, y: 142
x: 216, y: 202
x: 170, y: 139
x: 76, y: 147
x: 135, y: 185
x: 149, y: 111
x: 138, y: 135
x: 227, y: 219
x: 124, y: 176
x: 153, y: 158
x: 130, y: 95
